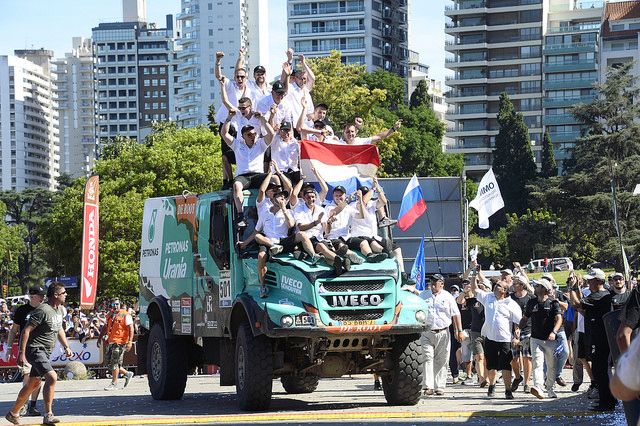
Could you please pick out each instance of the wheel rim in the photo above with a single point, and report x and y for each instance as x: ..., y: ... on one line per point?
x: 156, y: 361
x: 241, y: 367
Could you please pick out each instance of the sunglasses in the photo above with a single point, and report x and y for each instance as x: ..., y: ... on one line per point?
x: 241, y: 77
x: 242, y: 108
x: 61, y: 293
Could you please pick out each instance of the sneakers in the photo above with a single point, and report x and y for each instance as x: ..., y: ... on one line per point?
x: 427, y: 392
x: 338, y: 266
x: 377, y: 385
x: 240, y: 222
x: 353, y: 257
x: 592, y: 392
x: 483, y: 383
x: 526, y: 389
x: 315, y: 258
x: 537, y: 393
x: 12, y: 419
x: 516, y: 383
x: 110, y: 387
x: 275, y: 249
x: 385, y: 221
x: 560, y: 381
x: 263, y: 291
x: 23, y: 409
x: 551, y: 394
x: 50, y: 420
x: 439, y: 392
x: 492, y: 391
x: 32, y: 411
x: 127, y: 378
x: 455, y: 380
x: 407, y: 280
x: 575, y: 387
x: 508, y: 394
x: 376, y: 257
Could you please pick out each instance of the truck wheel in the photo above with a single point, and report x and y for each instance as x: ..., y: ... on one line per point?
x: 254, y: 370
x: 299, y: 384
x: 167, y: 365
x: 402, y: 384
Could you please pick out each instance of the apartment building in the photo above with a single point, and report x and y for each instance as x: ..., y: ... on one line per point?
x: 76, y: 108
x: 619, y: 36
x: 373, y: 33
x: 29, y: 135
x: 208, y: 27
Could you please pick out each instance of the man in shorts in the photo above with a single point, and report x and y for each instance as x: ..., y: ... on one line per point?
x: 20, y: 317
x: 38, y: 340
x: 119, y: 334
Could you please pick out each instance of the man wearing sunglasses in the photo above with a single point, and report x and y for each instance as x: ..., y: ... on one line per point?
x: 44, y: 325
x: 119, y: 334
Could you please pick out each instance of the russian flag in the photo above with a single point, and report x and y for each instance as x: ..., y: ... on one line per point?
x: 413, y: 204
x: 350, y: 166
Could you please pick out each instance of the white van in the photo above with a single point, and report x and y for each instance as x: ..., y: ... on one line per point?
x: 555, y: 264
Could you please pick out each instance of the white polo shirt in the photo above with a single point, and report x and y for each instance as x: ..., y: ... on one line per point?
x: 234, y: 93
x: 441, y: 308
x: 274, y: 226
x: 357, y: 141
x: 304, y: 216
x: 498, y: 316
x: 367, y: 226
x: 283, y: 111
x: 286, y: 155
x: 293, y: 101
x: 340, y: 227
x: 249, y: 159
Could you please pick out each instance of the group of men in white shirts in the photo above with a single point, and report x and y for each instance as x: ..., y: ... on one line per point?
x: 257, y: 118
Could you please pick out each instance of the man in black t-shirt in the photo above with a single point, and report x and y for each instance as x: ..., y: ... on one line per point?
x: 629, y: 319
x: 475, y: 336
x: 546, y: 319
x: 20, y: 317
x: 521, y: 362
x: 594, y: 307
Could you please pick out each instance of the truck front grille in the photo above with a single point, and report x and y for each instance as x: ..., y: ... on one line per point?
x: 349, y: 286
x: 356, y: 315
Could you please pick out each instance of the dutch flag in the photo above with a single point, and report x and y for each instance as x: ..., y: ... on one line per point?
x: 413, y: 204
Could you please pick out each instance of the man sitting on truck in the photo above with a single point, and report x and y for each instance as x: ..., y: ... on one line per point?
x: 274, y: 235
x: 249, y: 150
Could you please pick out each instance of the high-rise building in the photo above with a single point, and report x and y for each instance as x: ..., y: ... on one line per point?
x: 76, y: 108
x: 208, y: 27
x: 570, y: 70
x: 496, y: 47
x: 373, y: 33
x: 28, y: 121
x: 619, y: 36
x: 134, y: 74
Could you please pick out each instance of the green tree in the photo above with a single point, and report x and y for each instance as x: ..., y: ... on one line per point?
x: 513, y: 162
x: 549, y: 167
x: 393, y: 85
x: 169, y: 162
x: 420, y: 96
x: 12, y: 245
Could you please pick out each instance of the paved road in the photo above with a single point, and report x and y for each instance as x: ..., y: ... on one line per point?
x: 336, y: 401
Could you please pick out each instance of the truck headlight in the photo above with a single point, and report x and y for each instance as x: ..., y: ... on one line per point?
x: 286, y: 321
x: 421, y: 316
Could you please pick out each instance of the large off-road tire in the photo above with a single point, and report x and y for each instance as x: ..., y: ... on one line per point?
x: 403, y: 383
x: 299, y: 384
x: 254, y: 370
x: 168, y: 363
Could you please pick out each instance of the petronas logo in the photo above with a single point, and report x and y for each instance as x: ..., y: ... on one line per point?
x: 152, y: 225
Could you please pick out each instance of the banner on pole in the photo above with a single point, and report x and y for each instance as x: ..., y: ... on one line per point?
x: 90, y: 236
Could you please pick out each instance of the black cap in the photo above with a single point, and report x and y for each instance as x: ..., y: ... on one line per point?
x: 37, y: 290
x: 283, y: 192
x: 364, y: 189
x: 319, y: 124
x: 340, y: 188
x: 259, y: 68
x: 307, y: 187
x: 278, y: 88
x: 437, y: 277
x: 273, y: 186
x: 246, y: 128
x: 285, y: 125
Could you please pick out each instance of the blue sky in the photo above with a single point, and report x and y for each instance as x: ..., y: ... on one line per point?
x: 52, y: 24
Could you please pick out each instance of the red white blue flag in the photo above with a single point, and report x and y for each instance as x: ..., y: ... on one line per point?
x: 413, y: 204
x: 350, y: 166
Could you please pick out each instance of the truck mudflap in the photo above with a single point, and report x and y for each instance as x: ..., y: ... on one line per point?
x: 317, y: 329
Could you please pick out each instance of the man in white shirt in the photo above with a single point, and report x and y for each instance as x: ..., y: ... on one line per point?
x: 350, y: 132
x: 338, y: 219
x: 258, y: 85
x: 298, y: 90
x: 275, y: 98
x: 442, y: 311
x: 249, y: 151
x: 311, y: 220
x: 502, y: 315
x: 285, y: 152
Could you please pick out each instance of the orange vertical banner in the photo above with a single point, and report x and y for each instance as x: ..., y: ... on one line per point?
x: 90, y: 235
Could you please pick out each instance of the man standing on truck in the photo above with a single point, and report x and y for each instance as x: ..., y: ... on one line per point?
x: 20, y: 318
x: 249, y: 150
x: 38, y: 340
x: 119, y: 336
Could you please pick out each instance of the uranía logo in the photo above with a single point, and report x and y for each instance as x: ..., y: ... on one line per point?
x: 152, y: 225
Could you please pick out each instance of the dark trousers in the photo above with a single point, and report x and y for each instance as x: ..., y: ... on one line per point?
x: 601, y: 370
x: 453, y: 361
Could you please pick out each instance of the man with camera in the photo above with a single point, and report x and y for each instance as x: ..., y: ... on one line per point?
x: 119, y: 335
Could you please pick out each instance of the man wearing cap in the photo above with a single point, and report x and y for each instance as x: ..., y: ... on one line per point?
x: 285, y: 152
x: 44, y: 326
x: 507, y: 276
x: 364, y: 228
x: 337, y: 229
x: 562, y: 342
x: 521, y: 351
x: 311, y: 220
x: 595, y: 306
x: 619, y: 293
x: 297, y: 91
x: 249, y: 151
x: 545, y: 318
x: 20, y: 318
x: 500, y: 328
x: 274, y: 101
x: 118, y: 333
x: 442, y: 312
x: 259, y: 85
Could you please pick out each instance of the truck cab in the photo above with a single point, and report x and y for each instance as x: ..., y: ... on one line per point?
x: 200, y: 303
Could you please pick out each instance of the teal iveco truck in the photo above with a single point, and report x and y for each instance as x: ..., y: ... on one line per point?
x: 200, y: 304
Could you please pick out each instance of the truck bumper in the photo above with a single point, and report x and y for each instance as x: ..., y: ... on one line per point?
x: 343, y: 331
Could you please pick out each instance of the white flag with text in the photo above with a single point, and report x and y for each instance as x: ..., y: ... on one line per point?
x: 488, y: 200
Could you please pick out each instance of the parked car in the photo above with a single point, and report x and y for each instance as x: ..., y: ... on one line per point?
x: 555, y: 264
